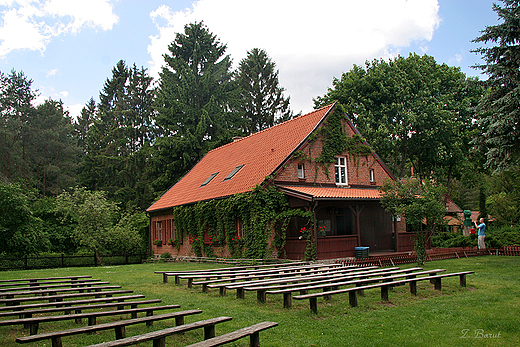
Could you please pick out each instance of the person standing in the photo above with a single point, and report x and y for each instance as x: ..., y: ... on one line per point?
x: 481, y: 233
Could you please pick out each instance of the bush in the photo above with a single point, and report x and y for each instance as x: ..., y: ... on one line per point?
x: 495, y: 238
x: 166, y: 255
x: 449, y: 239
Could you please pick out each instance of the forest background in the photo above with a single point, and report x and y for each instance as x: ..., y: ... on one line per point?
x: 74, y: 185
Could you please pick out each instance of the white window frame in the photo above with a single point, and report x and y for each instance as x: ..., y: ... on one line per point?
x: 372, y: 175
x: 301, y: 171
x: 340, y: 171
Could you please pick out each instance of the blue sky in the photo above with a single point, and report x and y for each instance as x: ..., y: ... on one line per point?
x: 69, y: 47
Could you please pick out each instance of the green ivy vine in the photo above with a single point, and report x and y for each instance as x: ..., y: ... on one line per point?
x: 258, y: 212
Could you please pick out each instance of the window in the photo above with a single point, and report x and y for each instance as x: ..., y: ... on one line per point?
x: 372, y: 176
x: 212, y: 176
x: 301, y: 171
x: 340, y: 170
x: 159, y: 230
x: 233, y: 173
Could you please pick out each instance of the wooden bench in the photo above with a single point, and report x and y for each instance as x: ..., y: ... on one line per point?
x: 32, y: 280
x: 243, y: 286
x: 33, y: 323
x: 158, y: 337
x: 94, y: 286
x: 54, y: 298
x: 20, y: 308
x: 384, y: 288
x: 44, y: 285
x: 225, y: 283
x: 326, y: 284
x: 231, y: 269
x: 77, y: 308
x: 118, y: 326
x: 252, y: 274
x: 251, y: 331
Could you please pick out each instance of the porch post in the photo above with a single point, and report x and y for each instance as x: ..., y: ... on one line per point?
x: 357, y: 212
x: 314, y: 232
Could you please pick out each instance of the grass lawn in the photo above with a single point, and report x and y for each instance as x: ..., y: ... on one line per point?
x: 485, y: 313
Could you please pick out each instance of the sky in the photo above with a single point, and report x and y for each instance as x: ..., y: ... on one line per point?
x: 69, y: 47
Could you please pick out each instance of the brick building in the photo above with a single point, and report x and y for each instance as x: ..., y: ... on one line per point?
x: 343, y: 195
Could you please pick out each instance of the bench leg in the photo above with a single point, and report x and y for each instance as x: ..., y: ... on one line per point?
x: 120, y: 333
x: 287, y: 300
x: 179, y: 320
x: 205, y: 288
x: 33, y: 328
x: 352, y: 298
x: 326, y: 289
x: 148, y: 314
x: 313, y: 302
x: 462, y: 280
x: 413, y: 288
x: 177, y: 279
x: 360, y: 292
x: 161, y: 342
x: 240, y: 293
x: 303, y: 291
x: 222, y: 291
x: 384, y: 293
x: 261, y: 296
x: 438, y: 285
x: 209, y: 331
x: 91, y: 321
x: 56, y: 342
x: 165, y: 278
x: 190, y: 282
x: 254, y: 339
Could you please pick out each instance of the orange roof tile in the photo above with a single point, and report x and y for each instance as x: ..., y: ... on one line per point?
x: 330, y: 193
x: 260, y: 154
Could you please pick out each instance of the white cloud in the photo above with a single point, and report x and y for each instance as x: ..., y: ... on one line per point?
x: 74, y: 110
x: 310, y: 41
x: 31, y: 24
x: 52, y: 72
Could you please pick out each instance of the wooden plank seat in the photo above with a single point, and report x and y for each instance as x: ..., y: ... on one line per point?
x: 119, y: 327
x: 225, y: 282
x: 361, y: 280
x: 278, y: 287
x: 61, y: 297
x: 251, y: 331
x: 68, y: 303
x: 256, y: 273
x: 158, y: 337
x: 252, y: 278
x: 77, y: 308
x: 166, y: 274
x: 31, y: 280
x: 384, y: 288
x: 44, y: 285
x: 241, y: 287
x: 94, y: 286
x: 33, y: 323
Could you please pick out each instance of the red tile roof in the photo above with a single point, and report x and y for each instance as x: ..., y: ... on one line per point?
x: 331, y: 193
x: 260, y: 154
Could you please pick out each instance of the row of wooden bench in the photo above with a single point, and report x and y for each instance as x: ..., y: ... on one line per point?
x: 304, y: 278
x: 18, y: 305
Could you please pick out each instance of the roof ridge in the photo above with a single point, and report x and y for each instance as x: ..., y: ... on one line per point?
x: 274, y: 126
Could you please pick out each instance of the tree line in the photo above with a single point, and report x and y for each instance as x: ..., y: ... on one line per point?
x: 424, y: 119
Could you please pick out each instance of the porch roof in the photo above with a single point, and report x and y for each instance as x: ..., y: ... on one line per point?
x: 331, y: 193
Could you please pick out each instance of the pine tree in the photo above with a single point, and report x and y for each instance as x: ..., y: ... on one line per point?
x: 502, y: 102
x: 195, y: 97
x: 263, y: 102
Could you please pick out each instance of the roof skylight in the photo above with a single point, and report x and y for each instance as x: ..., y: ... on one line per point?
x: 233, y: 173
x: 212, y: 176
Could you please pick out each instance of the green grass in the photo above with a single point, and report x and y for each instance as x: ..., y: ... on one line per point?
x: 486, y: 311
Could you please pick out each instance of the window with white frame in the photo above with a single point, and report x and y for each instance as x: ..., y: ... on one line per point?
x: 301, y: 171
x: 372, y: 176
x: 340, y: 170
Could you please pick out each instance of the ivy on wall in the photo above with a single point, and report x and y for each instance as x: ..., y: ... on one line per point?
x: 256, y: 213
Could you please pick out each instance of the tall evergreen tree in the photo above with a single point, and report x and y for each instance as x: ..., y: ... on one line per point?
x: 195, y: 97
x: 263, y: 102
x: 118, y: 135
x: 502, y: 102
x: 16, y: 110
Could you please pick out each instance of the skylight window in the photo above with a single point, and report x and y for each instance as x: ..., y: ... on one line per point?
x: 233, y: 173
x: 212, y: 176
